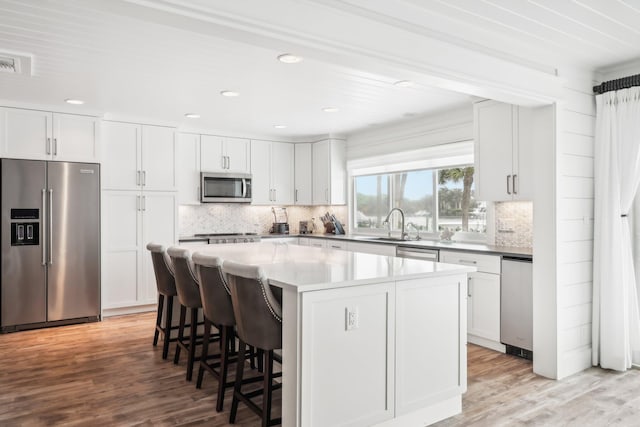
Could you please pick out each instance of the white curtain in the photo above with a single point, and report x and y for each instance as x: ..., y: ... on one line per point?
x: 616, y: 321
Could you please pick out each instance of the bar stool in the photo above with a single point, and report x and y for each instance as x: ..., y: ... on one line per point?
x: 217, y: 310
x: 166, y: 285
x: 258, y: 316
x: 188, y: 291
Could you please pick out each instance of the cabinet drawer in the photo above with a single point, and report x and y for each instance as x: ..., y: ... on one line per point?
x: 333, y: 244
x: 484, y: 263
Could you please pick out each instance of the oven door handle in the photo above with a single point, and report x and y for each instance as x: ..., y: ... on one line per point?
x: 244, y: 188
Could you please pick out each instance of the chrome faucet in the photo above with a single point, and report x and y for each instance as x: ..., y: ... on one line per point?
x: 403, y: 234
x: 415, y: 227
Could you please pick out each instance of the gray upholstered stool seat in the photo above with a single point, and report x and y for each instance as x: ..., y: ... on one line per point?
x: 258, y: 314
x: 188, y: 291
x: 217, y: 310
x: 166, y: 285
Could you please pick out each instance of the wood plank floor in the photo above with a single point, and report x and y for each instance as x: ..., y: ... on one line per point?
x: 108, y: 373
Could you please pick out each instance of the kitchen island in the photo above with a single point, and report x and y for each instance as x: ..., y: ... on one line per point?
x: 367, y: 339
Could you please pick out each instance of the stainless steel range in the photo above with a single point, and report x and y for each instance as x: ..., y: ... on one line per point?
x: 230, y: 237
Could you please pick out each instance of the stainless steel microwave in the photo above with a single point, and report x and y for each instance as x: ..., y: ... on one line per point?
x: 225, y: 187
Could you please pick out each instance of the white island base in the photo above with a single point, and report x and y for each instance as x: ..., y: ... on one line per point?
x: 367, y: 339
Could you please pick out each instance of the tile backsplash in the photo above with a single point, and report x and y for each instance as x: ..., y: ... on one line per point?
x: 514, y: 224
x: 241, y: 218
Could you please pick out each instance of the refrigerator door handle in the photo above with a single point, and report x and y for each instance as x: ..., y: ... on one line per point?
x: 51, y: 226
x: 44, y: 227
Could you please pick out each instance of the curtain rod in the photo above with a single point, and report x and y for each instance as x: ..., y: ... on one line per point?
x: 623, y: 83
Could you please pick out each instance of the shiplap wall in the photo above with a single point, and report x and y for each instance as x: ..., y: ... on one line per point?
x: 575, y: 147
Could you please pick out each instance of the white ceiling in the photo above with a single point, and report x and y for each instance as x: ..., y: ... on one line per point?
x: 161, y: 59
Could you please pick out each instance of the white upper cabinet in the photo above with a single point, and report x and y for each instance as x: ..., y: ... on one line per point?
x: 272, y: 172
x: 303, y: 174
x: 158, y: 158
x: 502, y: 152
x: 138, y: 157
x: 188, y: 169
x: 218, y: 154
x: 42, y: 135
x: 329, y: 172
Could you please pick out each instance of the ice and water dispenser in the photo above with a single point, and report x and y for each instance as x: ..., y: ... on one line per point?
x: 25, y: 227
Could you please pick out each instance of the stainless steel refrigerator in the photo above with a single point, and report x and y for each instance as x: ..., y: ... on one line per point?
x: 50, y: 243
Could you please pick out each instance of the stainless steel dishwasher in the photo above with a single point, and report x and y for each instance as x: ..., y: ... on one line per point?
x: 516, y: 306
x: 417, y: 253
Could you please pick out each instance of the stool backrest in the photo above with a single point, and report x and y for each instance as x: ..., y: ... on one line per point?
x: 257, y: 310
x: 186, y: 281
x: 163, y: 269
x: 214, y: 290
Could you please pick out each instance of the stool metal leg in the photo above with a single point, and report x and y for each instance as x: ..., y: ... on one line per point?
x: 158, y: 319
x: 238, y: 386
x: 183, y: 315
x: 193, y: 332
x: 205, y: 351
x: 167, y: 327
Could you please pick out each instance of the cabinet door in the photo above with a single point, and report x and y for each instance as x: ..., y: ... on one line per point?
x: 282, y: 172
x: 211, y: 154
x: 121, y: 154
x: 159, y: 224
x: 303, y: 174
x: 188, y: 169
x: 261, y: 190
x: 523, y: 156
x: 122, y: 248
x: 484, y: 301
x: 158, y: 158
x: 320, y: 155
x: 237, y: 151
x: 75, y: 138
x: 494, y: 138
x: 25, y: 134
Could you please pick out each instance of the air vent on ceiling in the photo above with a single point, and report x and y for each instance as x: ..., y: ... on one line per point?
x: 15, y: 63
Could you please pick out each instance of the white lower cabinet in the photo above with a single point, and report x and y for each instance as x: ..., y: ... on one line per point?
x: 406, y: 346
x: 131, y: 219
x: 483, y: 297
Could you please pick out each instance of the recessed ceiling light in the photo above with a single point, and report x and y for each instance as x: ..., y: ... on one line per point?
x: 74, y: 101
x: 289, y: 58
x: 403, y: 83
x: 229, y: 93
x: 192, y: 116
x: 280, y: 126
x: 330, y: 109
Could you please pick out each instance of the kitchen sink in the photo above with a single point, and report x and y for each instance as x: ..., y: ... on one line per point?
x: 389, y: 239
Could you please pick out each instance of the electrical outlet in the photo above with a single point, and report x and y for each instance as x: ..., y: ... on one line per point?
x: 351, y: 318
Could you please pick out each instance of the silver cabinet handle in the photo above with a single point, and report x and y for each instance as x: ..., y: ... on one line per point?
x: 295, y: 197
x: 44, y: 227
x: 137, y: 177
x: 55, y: 146
x: 144, y: 178
x: 48, y: 145
x: 469, y: 287
x: 508, y: 188
x: 467, y: 261
x: 137, y: 203
x: 51, y: 226
x: 275, y: 195
x: 144, y: 203
x: 515, y: 184
x: 228, y: 162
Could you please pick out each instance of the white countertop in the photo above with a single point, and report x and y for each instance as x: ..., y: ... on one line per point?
x: 309, y: 269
